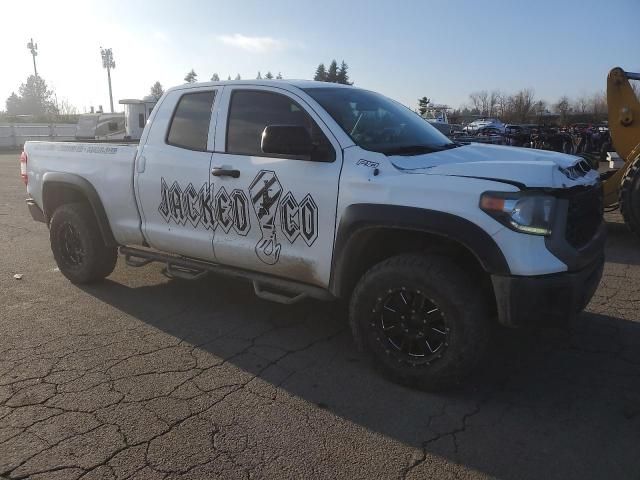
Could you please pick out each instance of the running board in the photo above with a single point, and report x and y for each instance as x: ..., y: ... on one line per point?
x: 176, y: 271
x: 277, y: 297
x: 267, y: 287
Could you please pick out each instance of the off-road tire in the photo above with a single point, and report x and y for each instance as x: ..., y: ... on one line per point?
x: 96, y: 261
x: 463, y: 304
x: 629, y: 197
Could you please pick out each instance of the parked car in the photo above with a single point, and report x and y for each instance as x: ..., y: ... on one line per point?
x: 308, y: 189
x: 483, y: 123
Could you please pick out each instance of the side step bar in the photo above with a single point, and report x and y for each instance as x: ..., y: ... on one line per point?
x: 267, y: 287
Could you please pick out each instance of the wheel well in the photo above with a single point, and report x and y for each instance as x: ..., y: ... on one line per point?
x: 53, y: 196
x: 370, y: 246
x: 56, y: 194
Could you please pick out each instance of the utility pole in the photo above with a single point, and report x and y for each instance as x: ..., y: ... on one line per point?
x: 34, y: 51
x: 108, y: 63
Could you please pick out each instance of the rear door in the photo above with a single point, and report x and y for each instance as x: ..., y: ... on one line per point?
x: 275, y: 213
x: 172, y: 174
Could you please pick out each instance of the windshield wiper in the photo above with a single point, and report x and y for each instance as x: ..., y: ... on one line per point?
x: 412, y: 150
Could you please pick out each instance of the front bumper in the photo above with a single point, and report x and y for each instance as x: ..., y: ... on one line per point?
x: 35, y: 211
x: 548, y: 299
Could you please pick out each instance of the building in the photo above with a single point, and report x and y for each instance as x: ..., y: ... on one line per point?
x: 136, y: 114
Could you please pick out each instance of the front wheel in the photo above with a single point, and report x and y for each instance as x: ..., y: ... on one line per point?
x: 421, y: 320
x: 77, y: 244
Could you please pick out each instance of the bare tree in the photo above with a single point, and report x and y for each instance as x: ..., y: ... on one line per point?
x: 522, y: 104
x: 581, y: 104
x: 66, y: 108
x: 598, y: 105
x: 502, y: 105
x: 484, y: 102
x: 476, y: 103
x: 493, y: 103
x: 563, y: 107
x: 539, y: 108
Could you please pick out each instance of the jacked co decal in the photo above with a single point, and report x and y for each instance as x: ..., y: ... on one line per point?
x: 202, y: 208
x: 231, y: 212
x: 265, y: 193
x: 299, y: 219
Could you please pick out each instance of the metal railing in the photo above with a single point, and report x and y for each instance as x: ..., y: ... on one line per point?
x: 14, y: 135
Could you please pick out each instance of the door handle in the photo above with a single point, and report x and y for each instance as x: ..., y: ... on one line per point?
x: 224, y: 172
x: 142, y: 162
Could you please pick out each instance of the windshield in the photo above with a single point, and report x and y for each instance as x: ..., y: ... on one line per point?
x: 375, y: 122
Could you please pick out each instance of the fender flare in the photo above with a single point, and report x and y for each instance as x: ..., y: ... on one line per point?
x: 359, y: 217
x: 84, y: 187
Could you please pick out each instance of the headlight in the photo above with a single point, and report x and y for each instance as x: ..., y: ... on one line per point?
x: 526, y: 212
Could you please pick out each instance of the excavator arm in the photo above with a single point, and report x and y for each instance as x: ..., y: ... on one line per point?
x: 624, y: 127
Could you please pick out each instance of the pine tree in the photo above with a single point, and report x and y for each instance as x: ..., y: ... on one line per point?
x: 343, y: 76
x: 259, y: 77
x: 34, y: 98
x: 321, y: 73
x: 156, y: 90
x: 269, y: 76
x: 332, y: 73
x: 229, y: 77
x: 423, y: 105
x: 238, y: 77
x: 215, y: 77
x: 279, y: 76
x: 191, y: 77
x: 14, y: 104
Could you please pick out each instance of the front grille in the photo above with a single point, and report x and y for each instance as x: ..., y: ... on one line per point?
x: 578, y: 170
x: 584, y: 216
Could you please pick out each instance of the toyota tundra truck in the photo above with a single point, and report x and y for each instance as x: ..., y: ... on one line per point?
x: 310, y: 189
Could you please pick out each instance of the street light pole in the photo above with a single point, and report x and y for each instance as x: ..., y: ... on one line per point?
x: 108, y: 63
x: 34, y: 51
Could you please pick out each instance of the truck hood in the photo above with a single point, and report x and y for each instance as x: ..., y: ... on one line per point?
x: 532, y: 168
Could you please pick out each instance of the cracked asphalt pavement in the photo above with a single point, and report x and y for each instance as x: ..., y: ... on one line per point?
x: 149, y: 378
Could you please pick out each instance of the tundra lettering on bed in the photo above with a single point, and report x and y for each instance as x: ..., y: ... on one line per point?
x: 333, y: 192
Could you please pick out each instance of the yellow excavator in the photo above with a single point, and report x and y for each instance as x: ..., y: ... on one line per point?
x: 622, y: 187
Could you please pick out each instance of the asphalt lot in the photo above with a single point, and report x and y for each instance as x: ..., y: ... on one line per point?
x: 146, y: 377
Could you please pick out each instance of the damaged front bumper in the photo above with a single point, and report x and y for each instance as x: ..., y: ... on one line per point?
x: 547, y: 300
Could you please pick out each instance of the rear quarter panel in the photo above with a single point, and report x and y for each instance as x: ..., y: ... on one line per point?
x: 108, y: 167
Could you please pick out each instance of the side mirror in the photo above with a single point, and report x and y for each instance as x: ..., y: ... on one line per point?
x: 286, y: 140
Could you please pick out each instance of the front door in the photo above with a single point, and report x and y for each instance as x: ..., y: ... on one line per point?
x: 172, y: 174
x: 275, y: 214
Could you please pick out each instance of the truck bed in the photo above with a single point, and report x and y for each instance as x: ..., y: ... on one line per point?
x: 107, y: 166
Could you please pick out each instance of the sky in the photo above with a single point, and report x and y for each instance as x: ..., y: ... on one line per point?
x: 404, y: 49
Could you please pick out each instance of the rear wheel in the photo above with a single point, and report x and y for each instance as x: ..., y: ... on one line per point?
x: 629, y: 197
x: 77, y: 244
x: 421, y: 320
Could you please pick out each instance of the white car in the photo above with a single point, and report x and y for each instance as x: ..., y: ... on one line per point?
x: 309, y: 189
x: 485, y: 122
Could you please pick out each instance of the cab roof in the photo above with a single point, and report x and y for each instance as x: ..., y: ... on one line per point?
x: 302, y: 84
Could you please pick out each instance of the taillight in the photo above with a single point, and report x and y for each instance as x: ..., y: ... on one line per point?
x: 23, y: 167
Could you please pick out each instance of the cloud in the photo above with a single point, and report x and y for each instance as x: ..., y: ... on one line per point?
x: 252, y: 44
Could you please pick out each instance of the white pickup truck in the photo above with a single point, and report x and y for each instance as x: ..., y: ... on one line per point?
x: 310, y: 189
